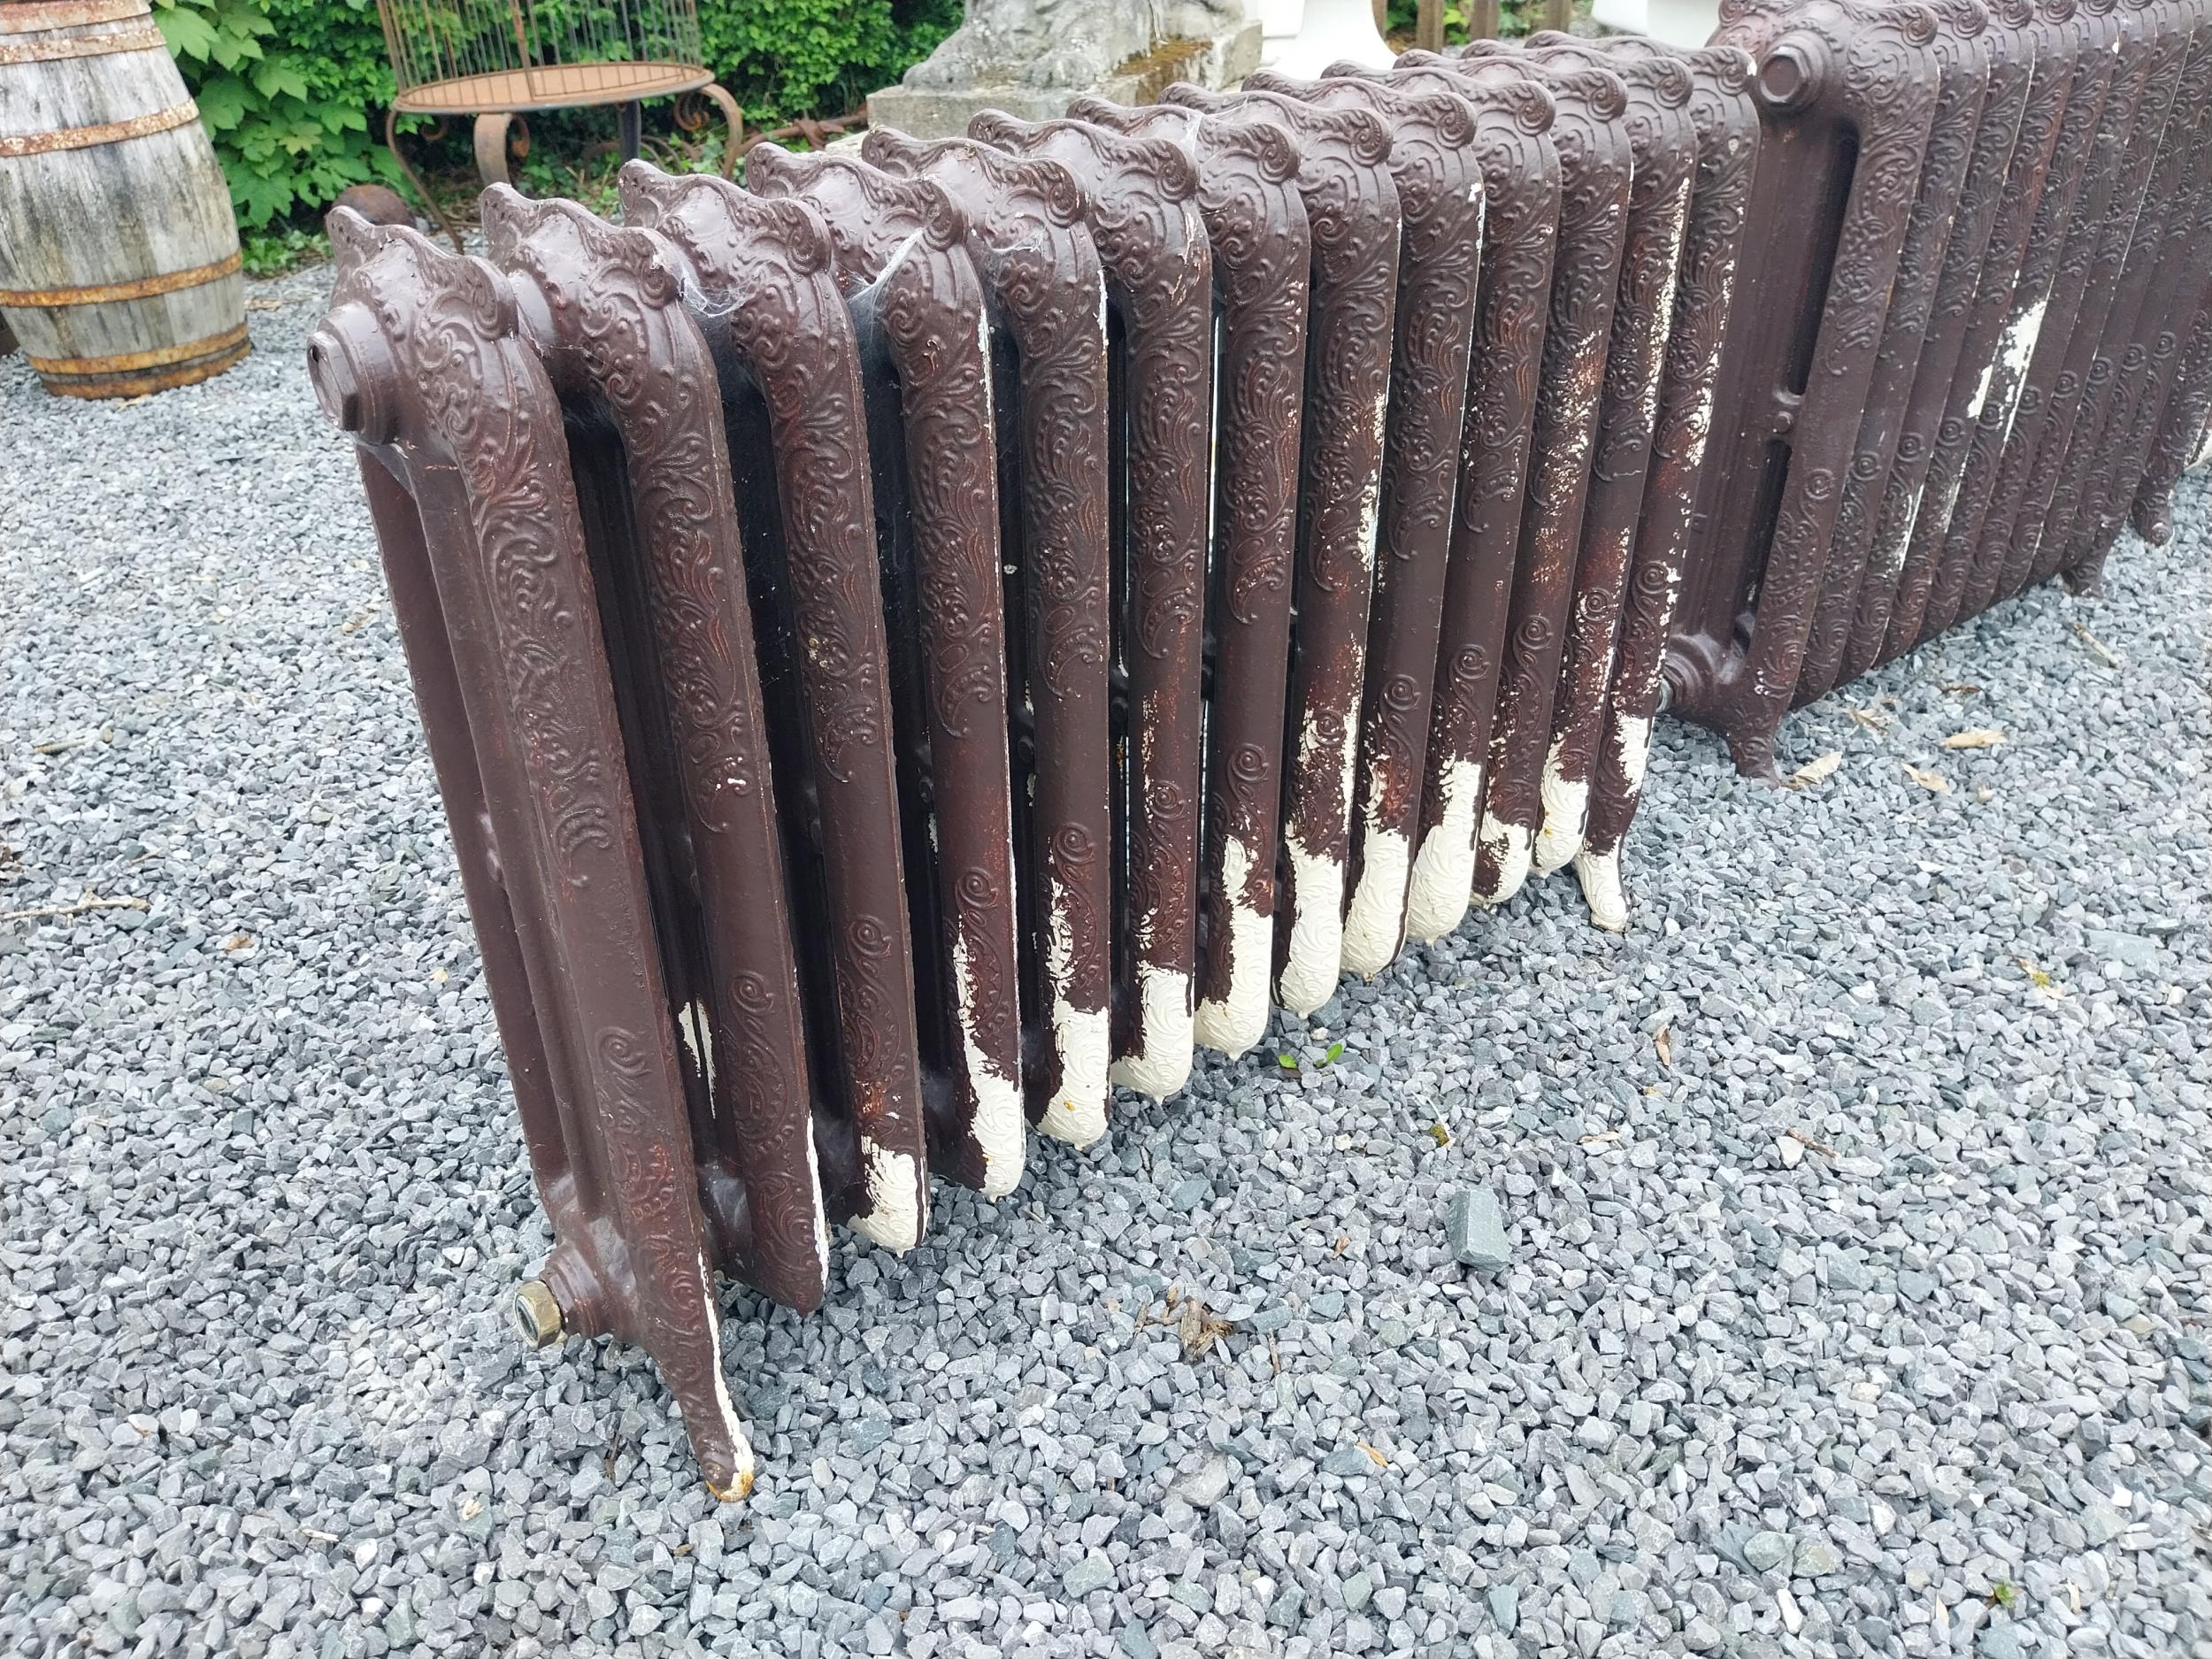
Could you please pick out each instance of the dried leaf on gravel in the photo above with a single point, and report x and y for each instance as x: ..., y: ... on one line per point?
x: 1815, y: 770
x: 1935, y: 782
x: 1664, y: 1043
x: 1975, y: 737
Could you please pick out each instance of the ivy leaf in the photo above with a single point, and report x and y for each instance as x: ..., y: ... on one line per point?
x: 223, y: 102
x: 277, y: 77
x: 189, y: 34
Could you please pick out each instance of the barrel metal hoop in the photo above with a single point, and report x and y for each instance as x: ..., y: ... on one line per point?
x: 138, y: 384
x: 32, y: 17
x: 125, y: 362
x: 137, y: 288
x: 104, y: 133
x: 145, y: 38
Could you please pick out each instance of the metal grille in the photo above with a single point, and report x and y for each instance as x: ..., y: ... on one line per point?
x: 916, y: 640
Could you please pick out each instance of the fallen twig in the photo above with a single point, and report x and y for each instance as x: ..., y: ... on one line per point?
x: 90, y: 902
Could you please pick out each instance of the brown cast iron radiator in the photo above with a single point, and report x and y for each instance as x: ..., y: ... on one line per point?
x: 1980, y: 338
x: 930, y: 634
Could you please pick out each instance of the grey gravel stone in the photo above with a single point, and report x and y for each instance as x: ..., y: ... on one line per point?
x: 1765, y: 1551
x: 1478, y: 1236
x: 265, y: 1196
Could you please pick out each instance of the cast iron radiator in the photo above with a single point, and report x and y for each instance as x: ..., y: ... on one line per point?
x: 1980, y: 342
x: 925, y: 636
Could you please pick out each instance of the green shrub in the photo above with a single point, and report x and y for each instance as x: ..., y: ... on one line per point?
x: 286, y: 89
x: 294, y: 91
x: 782, y: 59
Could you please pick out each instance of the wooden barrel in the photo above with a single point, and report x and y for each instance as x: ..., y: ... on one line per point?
x: 118, y: 257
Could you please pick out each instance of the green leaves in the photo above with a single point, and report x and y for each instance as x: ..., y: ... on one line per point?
x: 284, y: 89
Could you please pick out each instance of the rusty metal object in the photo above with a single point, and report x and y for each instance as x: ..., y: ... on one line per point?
x: 1262, y: 247
x: 1139, y: 200
x: 1437, y: 163
x: 379, y: 203
x: 1027, y: 237
x: 756, y: 276
x: 1352, y: 207
x: 912, y: 642
x: 919, y: 316
x: 422, y: 360
x: 1850, y: 93
x: 1521, y: 181
x: 1727, y: 123
x: 1595, y: 158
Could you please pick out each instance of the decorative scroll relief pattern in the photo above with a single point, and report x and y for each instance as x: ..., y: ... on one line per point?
x: 901, y: 257
x: 455, y: 379
x: 1028, y: 240
x: 1521, y: 174
x: 1158, y: 270
x: 610, y: 297
x: 1595, y: 167
x: 1256, y: 226
x: 1727, y: 127
x: 760, y: 271
x: 1883, y: 90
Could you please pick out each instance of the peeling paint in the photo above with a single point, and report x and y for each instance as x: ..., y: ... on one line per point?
x: 1233, y: 1023
x: 1566, y: 814
x: 894, y: 1217
x: 1082, y: 1037
x: 1444, y: 870
x: 999, y: 1119
x: 725, y: 1408
x: 1315, y: 956
x: 1161, y: 1064
x: 1600, y: 874
x: 1372, y: 930
x: 1510, y: 846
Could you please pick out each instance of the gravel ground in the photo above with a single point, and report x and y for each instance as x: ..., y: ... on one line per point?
x: 1859, y: 1285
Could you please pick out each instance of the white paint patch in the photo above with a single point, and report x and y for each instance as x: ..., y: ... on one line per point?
x: 1231, y: 1023
x: 895, y: 1198
x: 1315, y: 956
x: 1566, y: 815
x: 1371, y: 930
x: 1165, y: 1032
x: 1600, y: 874
x: 1981, y: 391
x: 1082, y: 1040
x: 740, y: 1448
x: 1444, y: 870
x: 2017, y: 351
x: 995, y: 1098
x: 691, y: 1023
x: 821, y: 1215
x: 1635, y: 730
x: 1509, y: 846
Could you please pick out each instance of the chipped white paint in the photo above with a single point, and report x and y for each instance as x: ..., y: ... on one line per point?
x: 691, y: 1024
x: 1315, y: 956
x: 725, y: 1408
x: 1080, y: 1038
x: 1444, y: 870
x: 1166, y: 1032
x: 1566, y: 814
x: 1509, y: 846
x: 1233, y: 1023
x: 821, y: 1215
x: 996, y: 1098
x: 1600, y: 874
x: 1372, y: 930
x: 1975, y: 404
x: 2017, y: 349
x: 893, y: 1218
x: 1635, y: 732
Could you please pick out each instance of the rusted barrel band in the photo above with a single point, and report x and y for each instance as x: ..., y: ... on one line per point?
x: 136, y: 288
x: 160, y: 357
x: 33, y: 17
x: 145, y: 38
x: 139, y: 384
x: 103, y: 132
